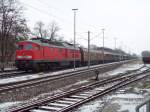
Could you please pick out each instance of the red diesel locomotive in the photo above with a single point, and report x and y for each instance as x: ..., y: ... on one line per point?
x: 38, y: 53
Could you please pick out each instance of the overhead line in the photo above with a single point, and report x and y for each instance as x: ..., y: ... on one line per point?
x: 85, y: 25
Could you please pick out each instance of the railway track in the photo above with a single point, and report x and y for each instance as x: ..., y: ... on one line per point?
x: 5, y: 88
x: 16, y: 73
x: 13, y: 73
x: 68, y: 100
x: 5, y: 71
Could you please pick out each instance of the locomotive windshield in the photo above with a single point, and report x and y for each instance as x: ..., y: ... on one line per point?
x: 25, y: 47
x: 20, y: 47
x: 28, y: 47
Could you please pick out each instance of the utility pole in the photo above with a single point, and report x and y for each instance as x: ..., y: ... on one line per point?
x: 74, y: 10
x: 88, y: 49
x: 103, y: 45
x: 115, y: 47
x: 121, y: 50
x: 115, y: 41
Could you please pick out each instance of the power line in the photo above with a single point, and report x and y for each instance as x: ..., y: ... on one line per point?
x: 96, y: 36
x: 47, y: 13
x: 51, y: 7
x: 61, y: 11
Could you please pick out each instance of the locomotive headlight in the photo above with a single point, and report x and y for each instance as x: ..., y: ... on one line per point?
x: 19, y: 57
x: 28, y: 57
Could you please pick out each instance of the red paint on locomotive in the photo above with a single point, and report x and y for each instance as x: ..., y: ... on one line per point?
x: 31, y: 54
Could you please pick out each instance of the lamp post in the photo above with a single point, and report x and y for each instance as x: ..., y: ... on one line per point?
x: 115, y: 42
x: 88, y: 49
x: 115, y: 39
x: 74, y: 10
x: 103, y: 45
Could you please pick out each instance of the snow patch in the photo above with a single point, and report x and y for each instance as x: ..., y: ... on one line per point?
x: 127, y: 101
x: 4, y: 106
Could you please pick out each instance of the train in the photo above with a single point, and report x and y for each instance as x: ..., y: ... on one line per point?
x: 146, y: 57
x: 38, y: 53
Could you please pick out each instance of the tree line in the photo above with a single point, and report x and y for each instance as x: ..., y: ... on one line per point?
x: 13, y: 28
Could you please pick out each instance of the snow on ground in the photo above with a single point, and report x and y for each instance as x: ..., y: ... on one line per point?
x: 4, y: 106
x: 32, y: 76
x: 124, y: 102
x: 7, y: 69
x: 15, y: 79
x: 42, y: 74
x: 124, y: 68
x: 127, y: 101
x: 93, y: 106
x: 81, y: 82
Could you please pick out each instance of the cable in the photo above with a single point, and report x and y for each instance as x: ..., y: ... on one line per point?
x: 42, y: 2
x: 49, y: 5
x: 48, y: 13
x: 41, y: 11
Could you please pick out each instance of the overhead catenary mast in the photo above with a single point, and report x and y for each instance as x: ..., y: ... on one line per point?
x: 103, y: 46
x: 74, y: 10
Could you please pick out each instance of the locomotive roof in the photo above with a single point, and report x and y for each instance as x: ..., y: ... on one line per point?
x: 46, y: 42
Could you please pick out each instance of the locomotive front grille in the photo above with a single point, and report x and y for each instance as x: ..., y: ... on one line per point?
x: 25, y: 64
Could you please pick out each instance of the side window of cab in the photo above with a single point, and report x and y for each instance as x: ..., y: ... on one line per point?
x: 20, y: 47
x: 28, y: 47
x: 36, y: 47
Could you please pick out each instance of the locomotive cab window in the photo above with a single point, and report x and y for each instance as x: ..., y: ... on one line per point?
x: 20, y: 47
x: 37, y: 47
x: 28, y: 47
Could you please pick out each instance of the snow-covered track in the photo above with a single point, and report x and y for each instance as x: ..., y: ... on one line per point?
x: 15, y: 73
x: 66, y: 101
x: 11, y: 74
x: 4, y: 88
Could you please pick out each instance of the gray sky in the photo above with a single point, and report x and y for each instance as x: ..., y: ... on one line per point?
x: 127, y: 20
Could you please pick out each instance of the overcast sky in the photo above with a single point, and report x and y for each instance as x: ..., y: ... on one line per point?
x: 126, y: 20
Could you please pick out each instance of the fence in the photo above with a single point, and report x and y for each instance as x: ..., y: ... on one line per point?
x: 145, y: 103
x: 7, y: 65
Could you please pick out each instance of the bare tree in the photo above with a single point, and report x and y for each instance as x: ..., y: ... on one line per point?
x: 71, y: 41
x: 40, y: 30
x: 11, y: 24
x: 50, y: 32
x: 53, y: 30
x: 60, y: 39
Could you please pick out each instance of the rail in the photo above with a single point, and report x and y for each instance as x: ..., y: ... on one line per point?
x: 81, y: 93
x: 14, y: 85
x: 145, y: 103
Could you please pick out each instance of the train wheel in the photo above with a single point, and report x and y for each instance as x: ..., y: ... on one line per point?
x: 47, y: 67
x: 19, y: 68
x: 26, y: 70
x: 36, y: 68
